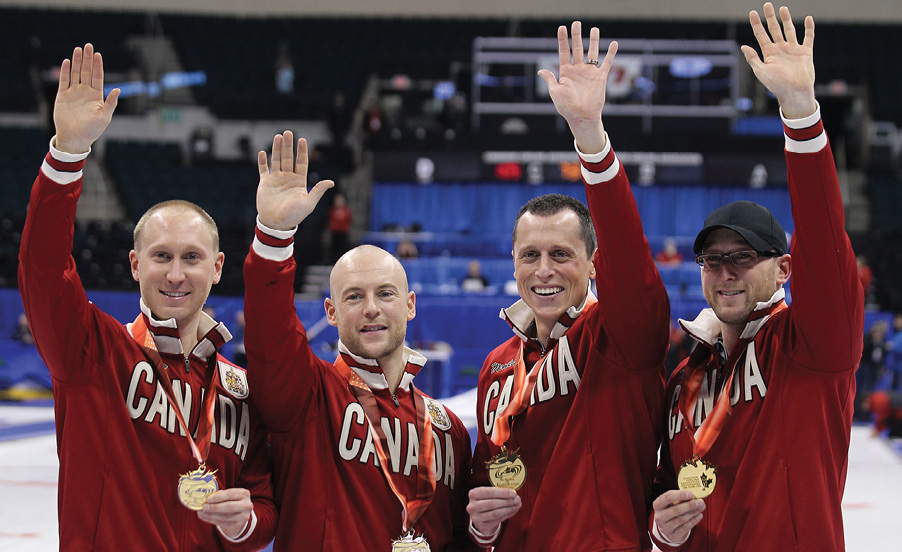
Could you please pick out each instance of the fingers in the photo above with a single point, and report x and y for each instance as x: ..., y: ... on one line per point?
x: 87, y: 64
x: 609, y: 57
x: 65, y: 68
x: 563, y: 46
x: 287, y: 157
x: 576, y: 34
x: 758, y: 29
x: 97, y: 73
x: 789, y: 30
x: 277, y: 153
x: 76, y: 66
x: 490, y: 506
x: 676, y: 513
x: 301, y: 166
x: 112, y: 99
x: 751, y: 56
x: 548, y: 77
x: 262, y: 166
x: 772, y: 24
x: 593, y: 44
x: 808, y: 41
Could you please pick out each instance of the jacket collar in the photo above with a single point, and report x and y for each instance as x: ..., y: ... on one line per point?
x: 163, y: 335
x: 706, y: 327
x: 370, y: 372
x: 522, y: 319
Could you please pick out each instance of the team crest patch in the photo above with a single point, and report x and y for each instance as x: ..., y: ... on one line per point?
x: 233, y: 380
x: 438, y: 414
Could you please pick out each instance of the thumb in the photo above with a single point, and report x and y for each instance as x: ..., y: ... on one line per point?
x: 320, y: 188
x: 751, y: 56
x: 548, y: 77
x: 112, y: 100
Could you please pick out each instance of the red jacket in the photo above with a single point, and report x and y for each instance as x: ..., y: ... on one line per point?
x: 120, y: 447
x: 781, y: 456
x: 589, y: 437
x: 332, y: 494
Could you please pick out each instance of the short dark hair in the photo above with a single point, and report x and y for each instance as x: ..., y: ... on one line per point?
x: 552, y: 204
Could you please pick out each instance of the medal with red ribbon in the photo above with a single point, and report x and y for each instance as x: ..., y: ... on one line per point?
x: 695, y: 474
x: 197, y: 485
x: 411, y: 508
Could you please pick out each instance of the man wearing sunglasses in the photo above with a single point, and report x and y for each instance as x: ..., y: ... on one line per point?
x: 759, y: 415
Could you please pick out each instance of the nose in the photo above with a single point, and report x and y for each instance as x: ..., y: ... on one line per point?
x: 370, y: 308
x: 176, y: 271
x: 545, y: 268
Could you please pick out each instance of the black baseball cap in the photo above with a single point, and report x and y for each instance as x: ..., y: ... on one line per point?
x: 755, y: 223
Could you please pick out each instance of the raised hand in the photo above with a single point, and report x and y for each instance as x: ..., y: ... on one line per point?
x: 579, y: 92
x: 282, y: 197
x: 787, y: 68
x: 80, y: 113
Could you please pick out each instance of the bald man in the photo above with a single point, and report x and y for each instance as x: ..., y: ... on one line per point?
x: 363, y: 459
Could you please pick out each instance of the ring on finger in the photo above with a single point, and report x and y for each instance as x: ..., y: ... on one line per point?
x: 592, y: 62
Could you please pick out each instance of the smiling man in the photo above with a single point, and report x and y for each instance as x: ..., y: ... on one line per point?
x: 160, y: 447
x: 363, y: 459
x: 570, y: 408
x: 759, y: 416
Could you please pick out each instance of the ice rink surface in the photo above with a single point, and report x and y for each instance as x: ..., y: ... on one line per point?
x: 28, y: 485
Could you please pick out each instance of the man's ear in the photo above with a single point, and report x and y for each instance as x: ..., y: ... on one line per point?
x: 784, y: 268
x: 411, y: 305
x: 330, y: 311
x: 133, y: 261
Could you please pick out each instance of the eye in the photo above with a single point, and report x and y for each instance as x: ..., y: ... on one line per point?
x: 560, y: 254
x: 161, y: 255
x: 354, y: 297
x: 742, y: 256
x: 529, y: 255
x: 386, y: 294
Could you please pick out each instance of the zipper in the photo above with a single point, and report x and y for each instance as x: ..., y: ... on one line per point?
x: 395, y: 398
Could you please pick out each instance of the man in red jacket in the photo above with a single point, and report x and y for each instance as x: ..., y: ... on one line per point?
x: 150, y: 419
x: 363, y: 459
x: 759, y: 415
x: 569, y: 409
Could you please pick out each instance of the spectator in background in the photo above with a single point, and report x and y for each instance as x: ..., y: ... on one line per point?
x: 240, y: 355
x: 340, y: 219
x: 284, y: 71
x: 893, y: 374
x: 670, y: 255
x: 681, y: 344
x: 865, y: 274
x: 23, y: 332
x: 474, y: 281
x: 407, y: 250
x: 873, y: 359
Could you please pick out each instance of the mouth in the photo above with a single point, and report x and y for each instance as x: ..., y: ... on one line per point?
x: 372, y: 329
x: 730, y: 293
x: 175, y: 294
x: 547, y: 291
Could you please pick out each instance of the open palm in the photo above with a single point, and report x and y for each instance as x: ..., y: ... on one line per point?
x: 80, y: 113
x: 787, y: 68
x: 282, y: 197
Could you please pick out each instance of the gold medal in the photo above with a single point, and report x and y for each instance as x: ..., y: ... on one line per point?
x: 507, y: 470
x: 196, y: 486
x: 410, y: 543
x: 697, y: 476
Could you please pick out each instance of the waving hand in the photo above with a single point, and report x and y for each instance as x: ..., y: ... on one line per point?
x: 80, y: 113
x: 282, y: 197
x: 579, y: 93
x: 787, y: 67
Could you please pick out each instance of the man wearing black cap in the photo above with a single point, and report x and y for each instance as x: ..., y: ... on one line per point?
x: 759, y: 415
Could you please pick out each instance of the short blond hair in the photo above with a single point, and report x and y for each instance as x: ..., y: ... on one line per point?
x: 178, y: 205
